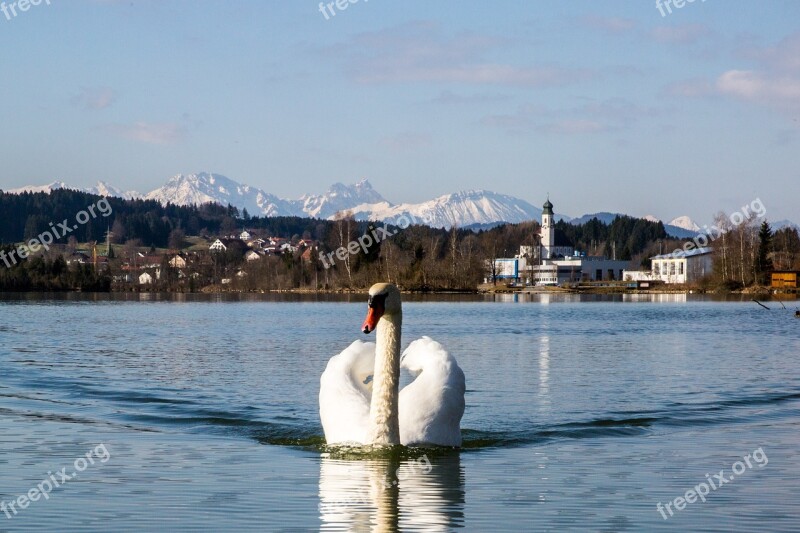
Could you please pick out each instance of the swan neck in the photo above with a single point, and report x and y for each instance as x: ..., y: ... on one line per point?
x: 384, y: 422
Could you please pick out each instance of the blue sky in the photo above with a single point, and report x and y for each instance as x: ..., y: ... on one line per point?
x: 606, y: 106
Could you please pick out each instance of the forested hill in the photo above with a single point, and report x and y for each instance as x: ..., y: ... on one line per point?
x: 24, y: 216
x: 629, y: 235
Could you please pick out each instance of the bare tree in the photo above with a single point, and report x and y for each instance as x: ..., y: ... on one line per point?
x: 344, y: 232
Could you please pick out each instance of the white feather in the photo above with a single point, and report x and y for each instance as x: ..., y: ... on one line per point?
x: 430, y: 407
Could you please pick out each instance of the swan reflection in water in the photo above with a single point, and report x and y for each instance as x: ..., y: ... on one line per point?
x: 423, y: 492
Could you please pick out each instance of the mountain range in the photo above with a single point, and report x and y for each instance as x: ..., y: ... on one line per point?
x: 471, y: 209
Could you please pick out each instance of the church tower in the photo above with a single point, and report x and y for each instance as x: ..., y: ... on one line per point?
x: 548, y: 230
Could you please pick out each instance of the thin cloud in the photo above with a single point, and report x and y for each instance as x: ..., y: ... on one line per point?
x: 694, y: 88
x: 759, y: 87
x: 163, y: 133
x: 685, y: 34
x: 574, y: 127
x: 613, y: 25
x: 405, y: 142
x: 772, y: 78
x: 421, y: 53
x: 451, y: 98
x: 94, y: 98
x: 593, y: 117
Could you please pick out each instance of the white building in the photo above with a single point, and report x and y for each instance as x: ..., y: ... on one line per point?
x: 552, y: 264
x: 682, y: 267
x: 575, y: 269
x: 178, y: 261
x: 252, y: 255
x: 548, y: 236
x: 218, y: 246
x: 245, y: 235
x: 145, y: 278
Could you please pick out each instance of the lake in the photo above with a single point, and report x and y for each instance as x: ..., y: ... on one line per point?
x: 584, y: 413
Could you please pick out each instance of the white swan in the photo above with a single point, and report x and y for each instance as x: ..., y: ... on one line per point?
x: 355, y: 409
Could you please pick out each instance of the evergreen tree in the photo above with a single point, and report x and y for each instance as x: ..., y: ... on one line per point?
x: 763, y: 263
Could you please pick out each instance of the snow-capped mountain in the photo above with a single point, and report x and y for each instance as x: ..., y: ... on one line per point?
x: 672, y: 230
x: 780, y: 224
x: 340, y: 198
x: 101, y: 188
x: 50, y: 187
x: 684, y: 222
x: 104, y: 189
x: 360, y: 200
x: 459, y: 209
x: 204, y: 187
x: 470, y: 209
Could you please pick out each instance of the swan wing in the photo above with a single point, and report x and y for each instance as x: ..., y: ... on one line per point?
x: 345, y: 392
x: 432, y: 405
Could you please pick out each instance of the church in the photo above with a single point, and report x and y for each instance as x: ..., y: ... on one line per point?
x: 548, y: 248
x: 553, y: 261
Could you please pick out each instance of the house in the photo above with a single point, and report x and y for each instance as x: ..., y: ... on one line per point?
x: 218, y: 246
x: 178, y: 261
x: 78, y: 257
x: 252, y: 255
x: 245, y: 235
x: 147, y: 261
x: 145, y: 278
x: 286, y: 247
x: 682, y: 266
x: 785, y: 279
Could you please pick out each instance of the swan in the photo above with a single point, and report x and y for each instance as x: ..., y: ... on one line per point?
x: 359, y: 399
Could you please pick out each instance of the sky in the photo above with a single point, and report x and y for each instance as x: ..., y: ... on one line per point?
x: 617, y: 106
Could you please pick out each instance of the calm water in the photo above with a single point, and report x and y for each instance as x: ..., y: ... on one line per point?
x: 581, y: 415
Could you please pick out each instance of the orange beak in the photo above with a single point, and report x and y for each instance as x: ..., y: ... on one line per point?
x: 373, y: 315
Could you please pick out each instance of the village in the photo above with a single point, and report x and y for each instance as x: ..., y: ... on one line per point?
x: 204, y: 261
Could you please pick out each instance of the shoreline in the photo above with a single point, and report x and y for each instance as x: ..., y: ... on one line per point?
x: 756, y: 293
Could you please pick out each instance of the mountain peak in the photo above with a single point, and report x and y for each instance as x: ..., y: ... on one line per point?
x: 341, y: 197
x: 204, y: 187
x: 684, y: 222
x: 103, y: 188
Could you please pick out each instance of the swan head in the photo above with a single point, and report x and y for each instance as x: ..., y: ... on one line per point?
x: 384, y: 299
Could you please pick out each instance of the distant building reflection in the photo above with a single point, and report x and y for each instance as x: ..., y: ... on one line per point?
x: 544, y: 373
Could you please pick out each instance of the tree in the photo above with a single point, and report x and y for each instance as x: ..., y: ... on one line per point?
x: 118, y: 231
x: 176, y: 238
x: 72, y: 244
x: 785, y: 248
x: 763, y: 263
x: 344, y: 233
